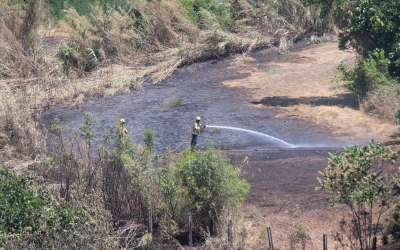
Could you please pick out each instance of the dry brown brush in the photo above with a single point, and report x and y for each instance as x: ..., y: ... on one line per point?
x: 122, y: 36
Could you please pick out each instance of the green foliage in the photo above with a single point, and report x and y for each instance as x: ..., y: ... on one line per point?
x: 299, y: 235
x: 212, y: 183
x: 56, y: 127
x: 202, y: 182
x: 379, y: 93
x: 127, y: 169
x: 55, y: 7
x: 73, y: 56
x: 19, y: 207
x: 149, y: 139
x: 173, y: 203
x: 354, y: 178
x: 372, y: 72
x: 31, y: 219
x: 87, y: 127
x: 198, y: 10
x: 367, y: 25
x: 118, y: 170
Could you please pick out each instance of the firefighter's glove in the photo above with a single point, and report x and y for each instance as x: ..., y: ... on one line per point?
x: 204, y: 126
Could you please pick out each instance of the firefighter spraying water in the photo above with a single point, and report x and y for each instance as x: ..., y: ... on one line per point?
x: 197, y: 126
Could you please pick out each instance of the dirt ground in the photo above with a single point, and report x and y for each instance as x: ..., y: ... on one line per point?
x: 283, y: 195
x: 283, y: 182
x: 302, y: 83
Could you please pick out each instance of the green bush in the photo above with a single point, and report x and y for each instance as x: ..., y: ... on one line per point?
x: 149, y: 139
x: 379, y: 93
x: 354, y: 178
x: 212, y: 183
x: 173, y: 205
x: 19, y: 207
x: 30, y: 218
x: 371, y: 72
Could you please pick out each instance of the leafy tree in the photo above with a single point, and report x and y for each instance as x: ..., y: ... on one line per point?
x: 354, y: 178
x: 367, y: 25
x: 212, y: 183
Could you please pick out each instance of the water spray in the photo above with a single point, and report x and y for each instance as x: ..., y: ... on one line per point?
x: 254, y: 132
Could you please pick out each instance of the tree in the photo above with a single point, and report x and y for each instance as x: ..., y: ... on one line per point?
x: 367, y: 25
x: 354, y: 178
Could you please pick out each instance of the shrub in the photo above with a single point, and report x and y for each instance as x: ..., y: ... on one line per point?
x: 173, y: 205
x: 31, y: 218
x: 73, y: 56
x: 299, y: 236
x: 354, y: 178
x: 212, y: 184
x: 383, y: 101
x: 372, y: 72
x: 149, y: 139
x: 391, y: 233
x: 379, y: 93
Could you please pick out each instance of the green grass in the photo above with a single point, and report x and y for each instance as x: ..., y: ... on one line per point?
x: 83, y: 7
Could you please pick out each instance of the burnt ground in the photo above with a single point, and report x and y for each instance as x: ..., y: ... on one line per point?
x: 284, y: 179
x: 290, y: 97
x: 283, y: 194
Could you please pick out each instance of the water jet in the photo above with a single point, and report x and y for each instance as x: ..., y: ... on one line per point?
x: 255, y: 133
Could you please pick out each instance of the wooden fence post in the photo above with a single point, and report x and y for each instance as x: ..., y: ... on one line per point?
x: 271, y: 243
x: 374, y: 243
x: 325, y: 241
x: 190, y: 230
x: 150, y: 220
x: 230, y: 243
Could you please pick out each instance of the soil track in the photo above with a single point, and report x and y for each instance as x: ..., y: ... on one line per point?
x: 290, y: 97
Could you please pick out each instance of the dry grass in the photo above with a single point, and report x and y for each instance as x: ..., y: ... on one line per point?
x: 22, y: 133
x: 383, y: 103
x: 173, y: 102
x: 304, y: 80
x: 284, y: 229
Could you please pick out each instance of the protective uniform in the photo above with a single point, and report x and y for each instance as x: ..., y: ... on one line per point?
x: 122, y: 131
x: 196, y: 131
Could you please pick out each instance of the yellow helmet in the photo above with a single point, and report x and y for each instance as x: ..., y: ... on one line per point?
x: 122, y: 121
x: 198, y: 118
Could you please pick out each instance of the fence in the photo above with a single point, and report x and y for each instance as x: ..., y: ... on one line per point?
x: 269, y: 233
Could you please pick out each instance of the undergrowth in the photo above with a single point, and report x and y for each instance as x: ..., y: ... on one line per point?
x: 378, y: 92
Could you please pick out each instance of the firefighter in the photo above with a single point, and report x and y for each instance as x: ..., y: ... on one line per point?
x: 122, y: 131
x: 196, y: 131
